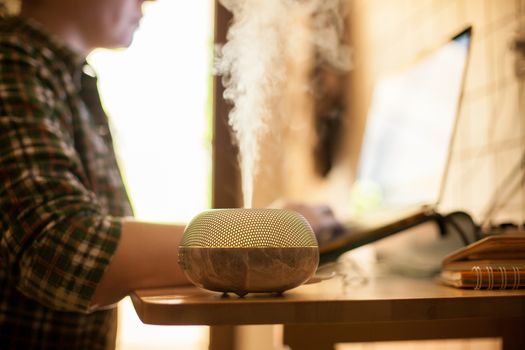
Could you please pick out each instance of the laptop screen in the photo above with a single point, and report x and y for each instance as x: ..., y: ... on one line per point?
x: 410, y: 125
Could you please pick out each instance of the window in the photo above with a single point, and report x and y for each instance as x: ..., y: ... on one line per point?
x: 157, y: 94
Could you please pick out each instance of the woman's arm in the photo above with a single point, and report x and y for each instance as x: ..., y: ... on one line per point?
x: 146, y: 257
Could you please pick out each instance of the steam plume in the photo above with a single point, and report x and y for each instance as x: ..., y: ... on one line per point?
x: 252, y: 63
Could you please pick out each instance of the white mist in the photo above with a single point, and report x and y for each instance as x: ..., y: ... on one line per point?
x: 253, y: 65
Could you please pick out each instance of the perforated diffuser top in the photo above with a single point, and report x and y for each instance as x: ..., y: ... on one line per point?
x: 248, y: 228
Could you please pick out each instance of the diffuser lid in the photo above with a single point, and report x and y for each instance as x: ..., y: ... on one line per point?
x: 248, y: 228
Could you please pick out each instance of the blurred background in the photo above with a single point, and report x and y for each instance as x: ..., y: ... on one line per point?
x: 170, y: 123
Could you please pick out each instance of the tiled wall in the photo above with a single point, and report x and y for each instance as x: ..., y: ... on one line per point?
x: 490, y: 139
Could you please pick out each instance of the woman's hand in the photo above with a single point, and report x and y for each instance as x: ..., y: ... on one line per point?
x: 320, y: 217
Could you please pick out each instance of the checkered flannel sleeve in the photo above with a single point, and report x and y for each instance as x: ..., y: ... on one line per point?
x: 55, y: 240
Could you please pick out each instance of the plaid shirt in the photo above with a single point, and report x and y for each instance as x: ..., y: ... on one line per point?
x: 61, y: 194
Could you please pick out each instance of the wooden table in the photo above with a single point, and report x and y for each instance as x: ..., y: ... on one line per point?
x: 317, y: 316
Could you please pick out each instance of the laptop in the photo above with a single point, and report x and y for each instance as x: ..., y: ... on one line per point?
x: 406, y: 148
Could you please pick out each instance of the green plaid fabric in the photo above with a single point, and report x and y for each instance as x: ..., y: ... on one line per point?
x: 61, y: 194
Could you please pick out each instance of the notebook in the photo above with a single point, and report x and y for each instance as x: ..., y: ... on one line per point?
x: 405, y: 152
x: 494, y: 262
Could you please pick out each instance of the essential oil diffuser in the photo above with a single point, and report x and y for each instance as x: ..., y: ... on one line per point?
x: 248, y: 250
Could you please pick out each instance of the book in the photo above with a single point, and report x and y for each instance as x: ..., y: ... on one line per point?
x: 494, y: 262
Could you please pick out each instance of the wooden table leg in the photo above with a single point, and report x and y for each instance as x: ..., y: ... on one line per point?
x: 300, y: 342
x: 222, y: 338
x: 514, y: 336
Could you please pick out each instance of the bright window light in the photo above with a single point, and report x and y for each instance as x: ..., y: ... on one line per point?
x: 157, y: 95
